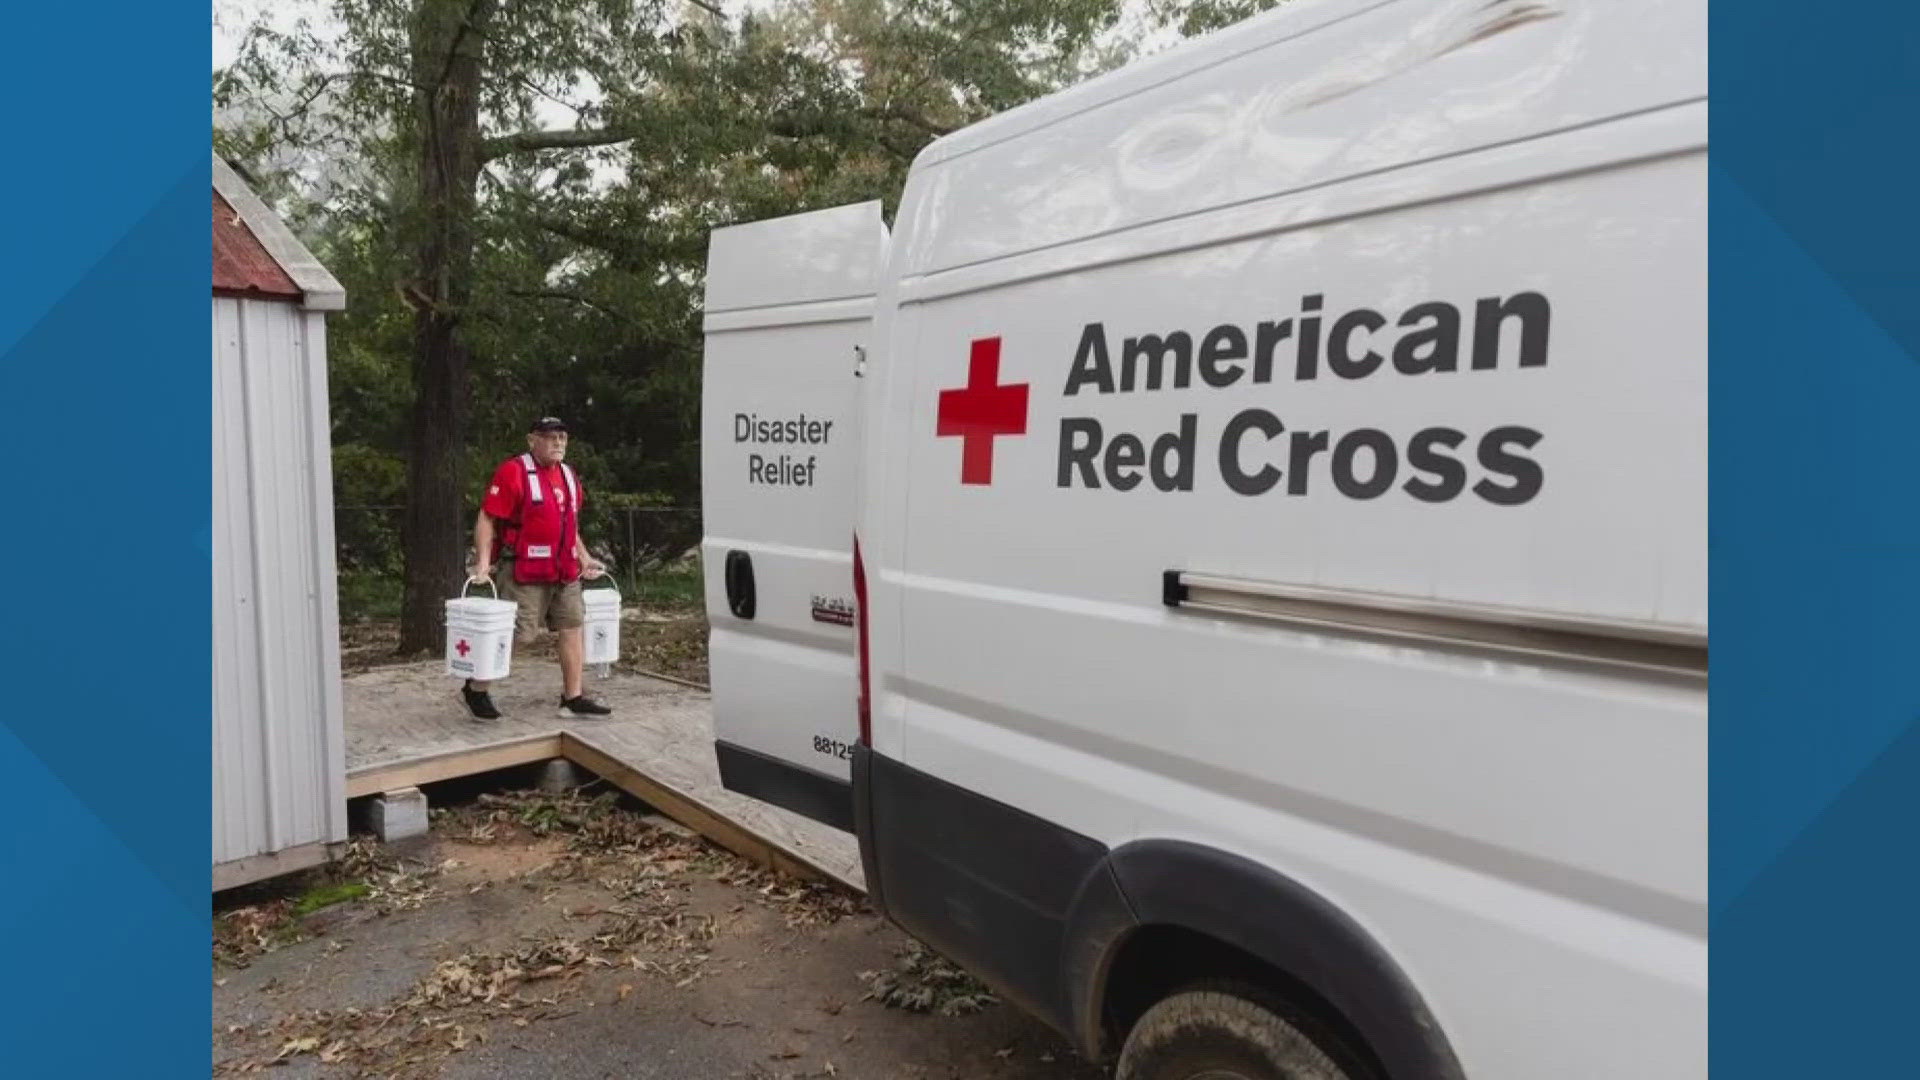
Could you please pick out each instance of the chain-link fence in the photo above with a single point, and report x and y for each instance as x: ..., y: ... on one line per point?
x: 367, y: 538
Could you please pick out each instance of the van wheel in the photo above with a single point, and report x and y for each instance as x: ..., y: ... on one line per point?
x: 1221, y: 1033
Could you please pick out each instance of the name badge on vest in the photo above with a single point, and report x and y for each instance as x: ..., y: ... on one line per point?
x: 539, y: 551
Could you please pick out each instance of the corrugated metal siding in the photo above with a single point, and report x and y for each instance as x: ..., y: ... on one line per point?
x: 278, y: 745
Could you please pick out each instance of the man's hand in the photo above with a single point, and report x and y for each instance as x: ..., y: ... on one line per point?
x: 592, y: 567
x: 482, y: 571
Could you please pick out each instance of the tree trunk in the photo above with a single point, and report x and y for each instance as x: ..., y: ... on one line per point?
x: 447, y: 38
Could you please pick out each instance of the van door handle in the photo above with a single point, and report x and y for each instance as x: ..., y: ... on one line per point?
x: 739, y: 578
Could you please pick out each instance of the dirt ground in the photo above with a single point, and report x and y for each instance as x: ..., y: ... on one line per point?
x: 540, y: 936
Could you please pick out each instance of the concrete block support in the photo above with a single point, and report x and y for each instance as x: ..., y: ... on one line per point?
x: 559, y: 776
x: 399, y: 815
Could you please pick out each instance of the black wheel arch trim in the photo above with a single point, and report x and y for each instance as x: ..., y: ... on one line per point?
x: 1262, y: 913
x: 1098, y: 924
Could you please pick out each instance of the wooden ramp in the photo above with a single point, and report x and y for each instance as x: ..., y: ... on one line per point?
x: 406, y: 726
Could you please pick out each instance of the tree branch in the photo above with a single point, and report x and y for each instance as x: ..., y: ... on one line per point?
x: 560, y: 294
x: 895, y: 112
x: 568, y: 230
x: 788, y: 127
x: 280, y: 123
x: 578, y: 138
x: 378, y: 76
x: 555, y: 98
x: 629, y: 252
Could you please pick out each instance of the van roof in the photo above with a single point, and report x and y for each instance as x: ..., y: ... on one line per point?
x: 1198, y: 54
x: 1292, y: 102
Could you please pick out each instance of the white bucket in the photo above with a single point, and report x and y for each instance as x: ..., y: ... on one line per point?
x: 602, y: 624
x: 480, y: 636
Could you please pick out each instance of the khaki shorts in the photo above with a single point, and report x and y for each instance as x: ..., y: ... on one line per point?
x: 552, y: 605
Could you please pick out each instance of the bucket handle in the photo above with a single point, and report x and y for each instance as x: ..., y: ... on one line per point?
x: 607, y: 577
x: 488, y: 582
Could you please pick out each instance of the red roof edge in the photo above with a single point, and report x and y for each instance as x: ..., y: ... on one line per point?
x: 242, y: 266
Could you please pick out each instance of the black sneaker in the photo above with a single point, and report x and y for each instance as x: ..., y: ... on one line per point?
x: 582, y: 706
x: 479, y: 702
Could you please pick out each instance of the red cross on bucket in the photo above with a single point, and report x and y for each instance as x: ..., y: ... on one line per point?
x: 463, y: 648
x: 981, y: 410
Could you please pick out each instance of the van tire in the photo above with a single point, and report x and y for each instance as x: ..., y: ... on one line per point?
x: 1221, y: 1032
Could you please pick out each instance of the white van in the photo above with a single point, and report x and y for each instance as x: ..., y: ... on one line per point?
x: 1257, y: 499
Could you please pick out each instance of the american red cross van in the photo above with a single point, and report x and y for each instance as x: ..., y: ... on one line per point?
x: 1236, y: 553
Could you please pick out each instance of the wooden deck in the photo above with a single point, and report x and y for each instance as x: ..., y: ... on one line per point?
x: 406, y: 725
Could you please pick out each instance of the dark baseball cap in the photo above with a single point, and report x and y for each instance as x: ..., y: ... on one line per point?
x: 547, y: 423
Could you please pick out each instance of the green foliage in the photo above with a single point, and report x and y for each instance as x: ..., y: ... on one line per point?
x: 321, y: 896
x: 672, y: 585
x: 367, y: 484
x: 369, y: 594
x: 1195, y: 17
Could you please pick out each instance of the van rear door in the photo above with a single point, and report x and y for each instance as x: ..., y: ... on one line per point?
x: 789, y: 305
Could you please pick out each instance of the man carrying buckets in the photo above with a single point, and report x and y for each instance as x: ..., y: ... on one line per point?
x: 530, y: 524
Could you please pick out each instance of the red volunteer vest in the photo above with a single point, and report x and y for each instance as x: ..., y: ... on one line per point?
x: 542, y: 532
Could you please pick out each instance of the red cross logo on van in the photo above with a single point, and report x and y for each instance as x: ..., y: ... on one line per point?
x: 981, y: 410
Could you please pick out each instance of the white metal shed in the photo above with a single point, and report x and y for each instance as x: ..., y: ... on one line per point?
x: 279, y: 768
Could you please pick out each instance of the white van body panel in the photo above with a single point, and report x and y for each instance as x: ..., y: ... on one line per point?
x: 1526, y: 837
x: 788, y: 304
